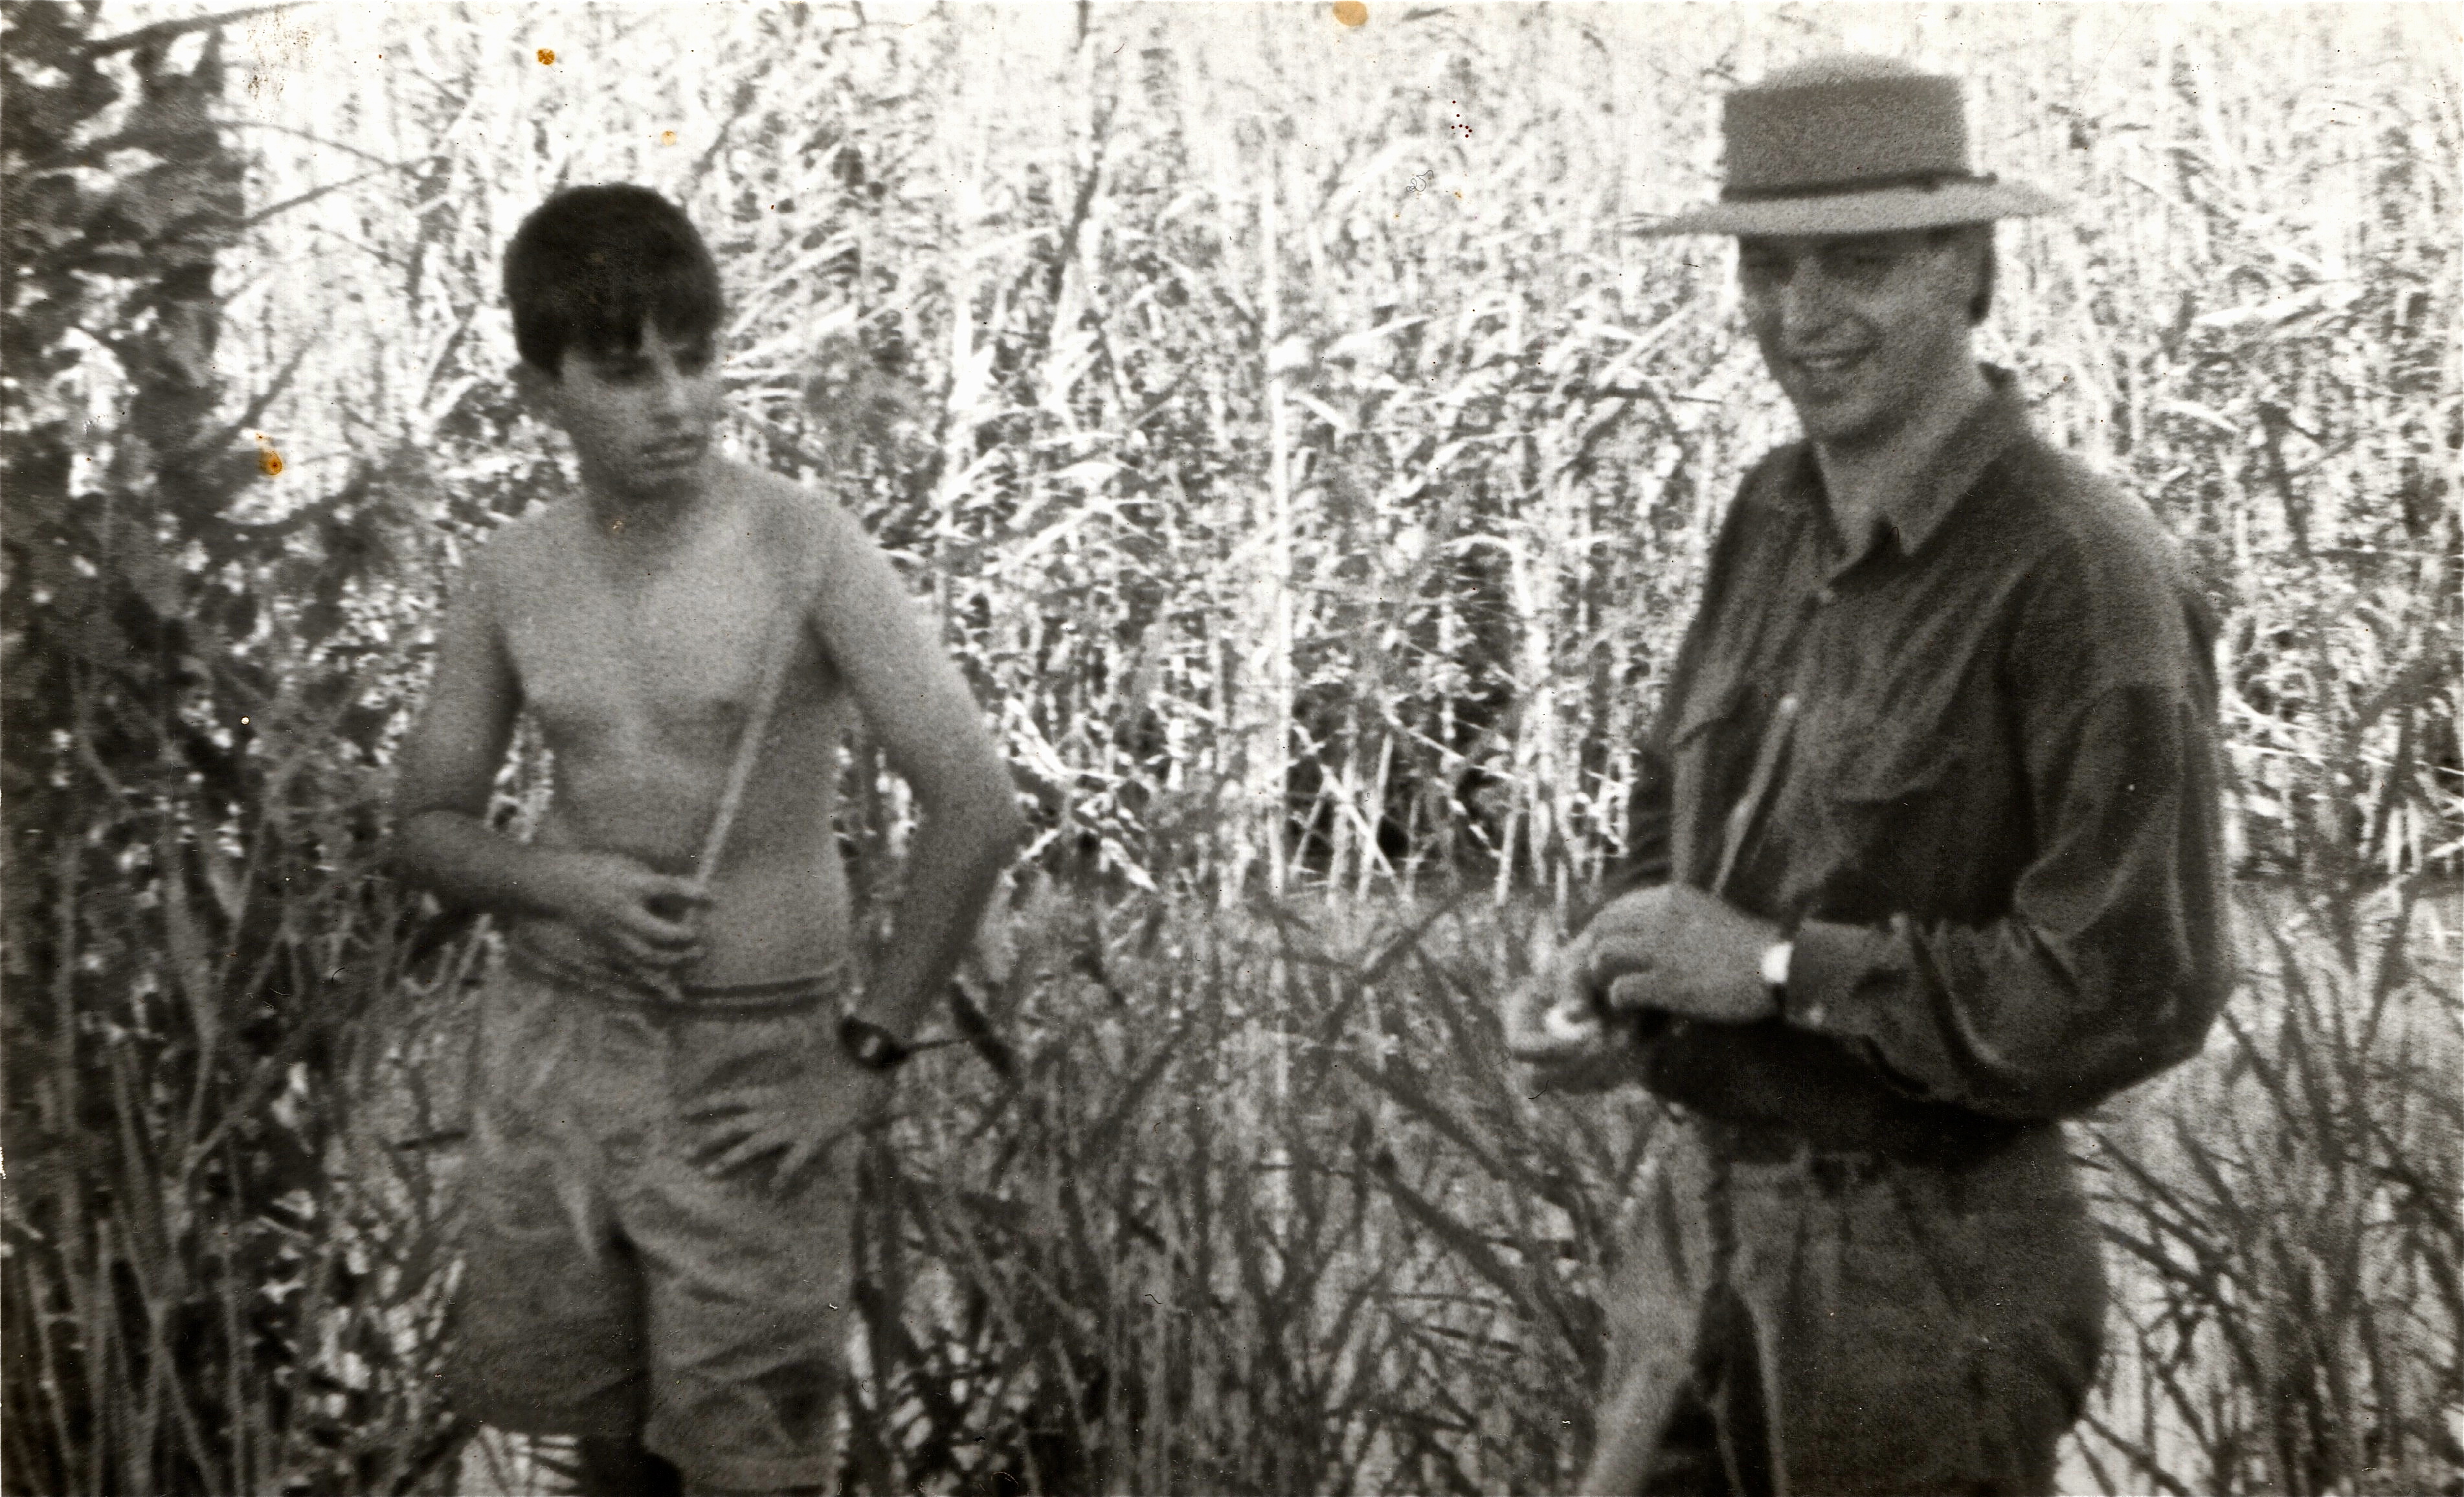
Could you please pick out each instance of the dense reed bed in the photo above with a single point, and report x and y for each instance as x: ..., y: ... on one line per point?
x: 1314, y: 480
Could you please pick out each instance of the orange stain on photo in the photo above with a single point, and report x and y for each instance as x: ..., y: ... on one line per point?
x: 547, y: 56
x: 667, y: 137
x: 1350, y: 12
x: 268, y: 462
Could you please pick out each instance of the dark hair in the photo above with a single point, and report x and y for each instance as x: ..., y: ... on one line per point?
x: 1988, y: 267
x: 594, y: 266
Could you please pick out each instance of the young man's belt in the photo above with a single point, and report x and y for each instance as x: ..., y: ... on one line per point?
x: 689, y: 999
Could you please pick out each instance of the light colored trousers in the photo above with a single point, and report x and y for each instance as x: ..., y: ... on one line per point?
x: 610, y: 1286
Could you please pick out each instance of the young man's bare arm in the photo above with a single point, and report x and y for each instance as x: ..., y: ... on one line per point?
x: 447, y: 771
x: 917, y: 707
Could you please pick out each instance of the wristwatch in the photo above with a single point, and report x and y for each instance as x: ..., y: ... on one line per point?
x: 870, y: 1046
x: 1776, y: 957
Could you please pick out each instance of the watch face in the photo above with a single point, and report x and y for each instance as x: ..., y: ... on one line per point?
x: 1775, y: 964
x: 869, y: 1044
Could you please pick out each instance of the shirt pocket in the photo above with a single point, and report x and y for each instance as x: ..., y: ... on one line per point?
x: 1706, y: 709
x: 1710, y: 759
x: 1873, y: 774
x: 1886, y: 795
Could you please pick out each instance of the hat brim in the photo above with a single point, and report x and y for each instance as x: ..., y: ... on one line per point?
x: 1889, y: 210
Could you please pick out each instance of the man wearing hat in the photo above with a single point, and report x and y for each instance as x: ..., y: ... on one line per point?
x: 1926, y: 859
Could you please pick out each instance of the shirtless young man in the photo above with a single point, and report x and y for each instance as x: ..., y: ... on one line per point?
x: 630, y: 1278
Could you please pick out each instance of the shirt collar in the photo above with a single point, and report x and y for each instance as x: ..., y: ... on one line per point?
x: 1915, y: 515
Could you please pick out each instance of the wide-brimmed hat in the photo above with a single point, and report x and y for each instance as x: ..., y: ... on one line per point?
x: 1850, y: 146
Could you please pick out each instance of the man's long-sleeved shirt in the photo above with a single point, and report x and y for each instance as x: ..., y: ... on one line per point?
x: 1989, y: 822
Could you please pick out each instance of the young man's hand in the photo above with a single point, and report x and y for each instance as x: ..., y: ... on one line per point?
x: 641, y: 918
x: 792, y: 1127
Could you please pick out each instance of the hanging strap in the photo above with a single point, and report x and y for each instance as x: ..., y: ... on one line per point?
x: 1746, y: 817
x: 777, y: 649
x: 777, y: 652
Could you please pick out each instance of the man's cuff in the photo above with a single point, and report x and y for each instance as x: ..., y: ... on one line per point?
x: 1827, y: 962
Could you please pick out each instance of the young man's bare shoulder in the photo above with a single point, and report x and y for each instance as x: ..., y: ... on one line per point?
x: 811, y: 527
x: 523, y: 552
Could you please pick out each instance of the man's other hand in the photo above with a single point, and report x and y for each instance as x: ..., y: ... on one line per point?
x: 642, y: 919
x: 1681, y: 950
x: 1554, y: 1026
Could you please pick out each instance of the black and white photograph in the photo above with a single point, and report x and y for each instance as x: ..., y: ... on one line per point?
x: 1241, y: 747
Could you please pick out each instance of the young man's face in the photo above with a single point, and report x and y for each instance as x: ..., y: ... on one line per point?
x: 1860, y: 329
x: 640, y: 421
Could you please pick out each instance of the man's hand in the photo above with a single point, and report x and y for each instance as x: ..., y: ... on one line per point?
x: 644, y: 921
x: 1554, y: 1026
x: 1681, y: 950
x: 795, y: 1125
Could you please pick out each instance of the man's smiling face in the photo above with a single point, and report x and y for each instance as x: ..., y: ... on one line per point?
x: 1860, y: 329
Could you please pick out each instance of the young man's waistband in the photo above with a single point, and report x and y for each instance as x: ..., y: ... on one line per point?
x: 686, y: 1000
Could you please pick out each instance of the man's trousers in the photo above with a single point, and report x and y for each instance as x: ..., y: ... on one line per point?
x: 1786, y: 1320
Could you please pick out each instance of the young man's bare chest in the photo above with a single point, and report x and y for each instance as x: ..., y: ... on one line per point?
x: 648, y: 644
x: 641, y: 659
